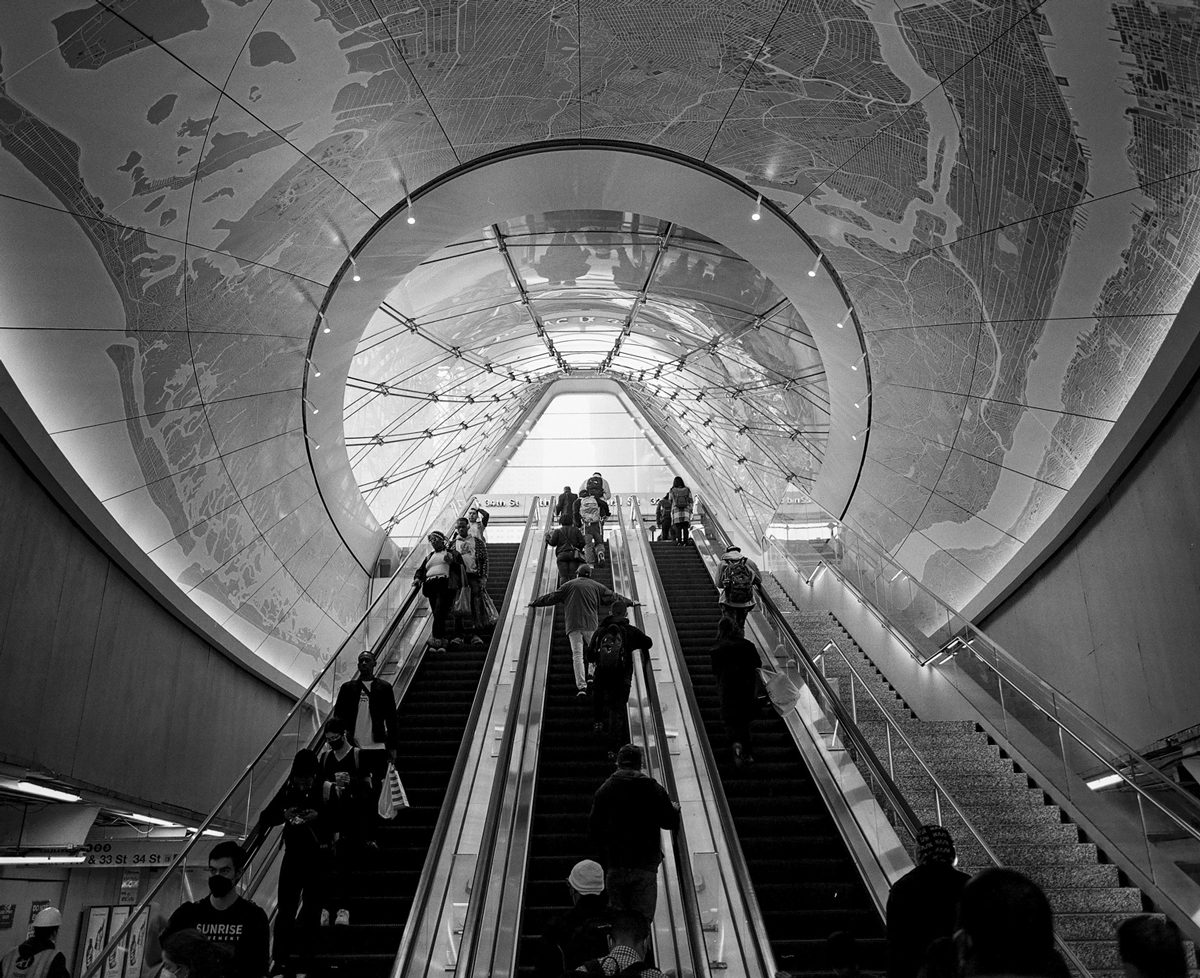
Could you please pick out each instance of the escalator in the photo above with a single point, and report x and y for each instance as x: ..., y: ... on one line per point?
x: 806, y: 882
x: 572, y: 764
x: 432, y: 720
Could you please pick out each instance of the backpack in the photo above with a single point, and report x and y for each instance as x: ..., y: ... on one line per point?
x: 589, y: 509
x: 739, y: 582
x: 609, y: 651
x: 594, y: 486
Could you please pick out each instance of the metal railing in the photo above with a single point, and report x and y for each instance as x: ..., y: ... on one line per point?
x: 1121, y: 796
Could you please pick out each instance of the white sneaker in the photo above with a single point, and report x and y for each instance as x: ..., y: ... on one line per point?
x: 342, y: 919
x: 324, y: 918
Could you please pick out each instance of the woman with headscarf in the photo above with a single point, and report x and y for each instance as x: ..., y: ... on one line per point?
x: 438, y: 578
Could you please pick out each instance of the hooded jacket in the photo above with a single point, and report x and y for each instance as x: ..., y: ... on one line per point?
x: 628, y: 812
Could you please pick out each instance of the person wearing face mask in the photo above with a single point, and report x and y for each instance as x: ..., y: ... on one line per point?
x: 189, y: 954
x: 300, y: 807
x: 367, y: 706
x: 350, y: 805
x: 224, y: 917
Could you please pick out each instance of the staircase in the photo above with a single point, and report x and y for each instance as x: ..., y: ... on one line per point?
x: 1026, y: 831
x: 432, y: 721
x: 806, y: 882
x: 572, y: 764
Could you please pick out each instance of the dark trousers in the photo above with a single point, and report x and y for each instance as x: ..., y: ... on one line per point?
x: 664, y: 526
x: 441, y: 599
x: 476, y: 622
x: 566, y: 570
x: 738, y: 616
x: 303, y: 886
x: 681, y: 531
x: 609, y: 702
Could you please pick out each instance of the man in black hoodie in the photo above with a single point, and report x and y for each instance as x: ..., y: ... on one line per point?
x: 629, y: 811
x: 38, y: 955
x: 611, y: 652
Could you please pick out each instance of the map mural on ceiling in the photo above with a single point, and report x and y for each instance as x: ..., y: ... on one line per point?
x: 1007, y: 190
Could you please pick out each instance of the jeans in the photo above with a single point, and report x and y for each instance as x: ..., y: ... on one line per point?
x: 737, y: 615
x: 303, y: 887
x: 633, y: 889
x: 579, y: 639
x: 593, y: 533
x: 475, y: 583
x: 609, y: 701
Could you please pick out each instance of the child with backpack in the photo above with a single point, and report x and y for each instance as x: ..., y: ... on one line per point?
x: 737, y: 579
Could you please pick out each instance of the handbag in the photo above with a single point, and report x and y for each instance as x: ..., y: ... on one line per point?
x: 392, y: 796
x: 783, y: 693
x: 462, y: 602
x: 490, y: 614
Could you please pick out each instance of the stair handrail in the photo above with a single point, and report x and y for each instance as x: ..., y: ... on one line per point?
x: 682, y: 854
x: 473, y: 920
x: 441, y: 828
x: 741, y: 872
x: 1063, y: 947
x: 1123, y: 755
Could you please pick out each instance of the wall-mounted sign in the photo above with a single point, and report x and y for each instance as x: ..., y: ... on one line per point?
x: 138, y: 853
x: 8, y: 913
x: 94, y: 935
x: 129, y: 888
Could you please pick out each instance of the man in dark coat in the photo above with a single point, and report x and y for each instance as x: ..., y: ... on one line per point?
x: 565, y: 506
x: 611, y: 681
x: 923, y: 903
x: 367, y: 706
x: 735, y: 664
x: 629, y: 812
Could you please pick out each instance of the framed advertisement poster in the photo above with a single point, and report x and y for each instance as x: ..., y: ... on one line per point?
x: 114, y: 967
x: 95, y: 932
x: 137, y: 946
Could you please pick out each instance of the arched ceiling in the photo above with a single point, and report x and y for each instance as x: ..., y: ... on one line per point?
x: 1006, y: 189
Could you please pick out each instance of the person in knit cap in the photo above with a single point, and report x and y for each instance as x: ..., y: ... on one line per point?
x: 582, y: 932
x: 923, y: 903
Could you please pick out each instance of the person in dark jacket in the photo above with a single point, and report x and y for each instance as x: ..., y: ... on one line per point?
x: 567, y: 541
x: 923, y: 903
x: 367, y: 706
x: 662, y: 514
x: 735, y: 664
x: 580, y: 933
x: 38, y: 955
x: 564, y: 506
x: 628, y: 814
x: 680, y: 497
x: 307, y: 835
x: 610, y: 684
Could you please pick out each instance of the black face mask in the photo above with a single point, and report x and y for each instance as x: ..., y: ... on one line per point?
x: 335, y: 742
x: 220, y: 886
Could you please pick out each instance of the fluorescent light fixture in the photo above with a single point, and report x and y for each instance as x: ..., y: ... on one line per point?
x: 212, y: 832
x: 149, y: 820
x: 41, y: 791
x: 39, y: 860
x: 1104, y: 782
x: 898, y: 573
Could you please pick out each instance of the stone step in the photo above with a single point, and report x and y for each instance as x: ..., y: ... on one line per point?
x: 1119, y: 900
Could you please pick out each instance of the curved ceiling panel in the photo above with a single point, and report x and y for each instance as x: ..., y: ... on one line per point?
x: 1007, y: 192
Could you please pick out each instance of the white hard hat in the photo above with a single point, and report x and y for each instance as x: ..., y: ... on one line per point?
x: 48, y: 917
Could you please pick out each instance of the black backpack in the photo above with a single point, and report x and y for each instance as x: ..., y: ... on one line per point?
x: 594, y: 486
x: 609, y: 651
x: 739, y: 582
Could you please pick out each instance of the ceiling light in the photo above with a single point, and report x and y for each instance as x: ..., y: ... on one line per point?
x: 1104, y: 782
x: 148, y: 820
x: 354, y: 276
x: 42, y: 791
x: 324, y: 322
x: 757, y: 215
x: 812, y: 272
x: 842, y: 322
x: 39, y: 860
x: 855, y: 436
x: 315, y: 372
x: 412, y: 219
x: 854, y: 365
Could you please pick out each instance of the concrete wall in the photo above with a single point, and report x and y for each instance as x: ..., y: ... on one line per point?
x: 1113, y: 619
x: 103, y: 685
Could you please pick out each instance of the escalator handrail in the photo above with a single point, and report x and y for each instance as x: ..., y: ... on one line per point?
x: 762, y: 943
x: 679, y: 846
x: 441, y: 827
x: 181, y: 858
x: 866, y: 753
x: 473, y: 919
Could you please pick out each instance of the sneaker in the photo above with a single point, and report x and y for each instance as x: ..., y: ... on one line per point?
x: 437, y: 643
x: 342, y: 919
x: 324, y: 918
x: 581, y: 694
x: 476, y: 642
x: 456, y: 642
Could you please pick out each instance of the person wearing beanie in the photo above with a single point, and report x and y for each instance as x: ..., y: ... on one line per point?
x: 737, y: 579
x: 37, y: 957
x: 629, y: 812
x: 300, y: 807
x: 439, y: 578
x: 923, y: 903
x: 582, y: 932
